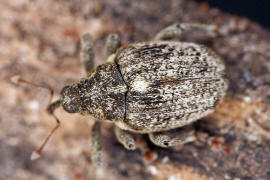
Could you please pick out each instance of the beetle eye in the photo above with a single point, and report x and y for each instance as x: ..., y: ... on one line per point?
x: 64, y: 89
x: 70, y: 99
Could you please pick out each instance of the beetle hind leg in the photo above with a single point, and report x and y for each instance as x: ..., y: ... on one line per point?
x: 125, y: 138
x: 176, y: 30
x: 173, y: 137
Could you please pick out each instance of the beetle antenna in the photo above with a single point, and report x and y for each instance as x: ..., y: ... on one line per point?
x: 50, y: 109
x: 19, y: 80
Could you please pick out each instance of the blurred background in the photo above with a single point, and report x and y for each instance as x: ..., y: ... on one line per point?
x: 258, y: 11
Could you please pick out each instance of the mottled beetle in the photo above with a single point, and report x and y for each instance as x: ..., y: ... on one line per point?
x: 148, y: 87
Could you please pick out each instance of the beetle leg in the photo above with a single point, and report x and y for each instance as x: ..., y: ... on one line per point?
x: 87, y: 52
x: 176, y: 30
x: 125, y: 138
x: 113, y: 42
x: 96, y: 144
x: 162, y: 139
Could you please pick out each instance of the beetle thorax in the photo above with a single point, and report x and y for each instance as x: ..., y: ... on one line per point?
x: 102, y: 94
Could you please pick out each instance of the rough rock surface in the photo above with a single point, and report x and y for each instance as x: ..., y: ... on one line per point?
x: 39, y: 41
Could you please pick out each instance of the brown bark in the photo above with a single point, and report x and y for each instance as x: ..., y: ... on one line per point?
x: 39, y: 41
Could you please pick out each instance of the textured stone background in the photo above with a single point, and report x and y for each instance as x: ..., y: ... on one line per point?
x: 39, y: 41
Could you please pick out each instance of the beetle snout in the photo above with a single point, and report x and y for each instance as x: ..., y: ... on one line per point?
x: 70, y: 99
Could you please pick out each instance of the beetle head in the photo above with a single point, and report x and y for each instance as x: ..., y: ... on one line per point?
x: 70, y: 99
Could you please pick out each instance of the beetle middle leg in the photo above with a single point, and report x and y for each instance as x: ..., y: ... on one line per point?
x: 113, y: 42
x: 176, y: 30
x: 125, y: 138
x: 173, y: 137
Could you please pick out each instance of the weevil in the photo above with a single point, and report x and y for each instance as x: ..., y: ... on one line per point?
x: 147, y: 87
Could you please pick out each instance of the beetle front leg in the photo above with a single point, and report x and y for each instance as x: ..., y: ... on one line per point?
x: 176, y: 30
x: 113, y: 42
x: 96, y: 144
x: 87, y: 52
x: 125, y: 138
x: 163, y: 139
